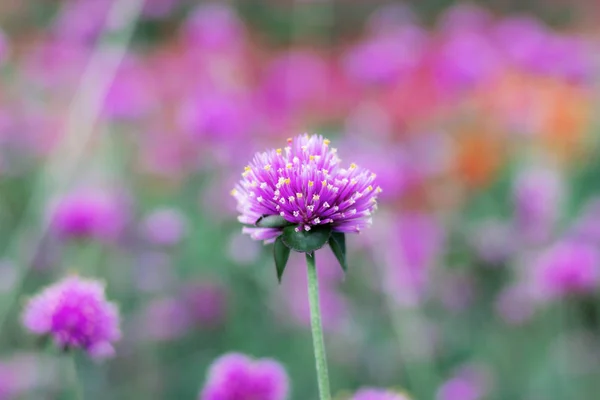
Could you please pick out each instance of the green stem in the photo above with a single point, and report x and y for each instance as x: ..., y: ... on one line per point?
x: 73, y: 380
x: 317, y: 328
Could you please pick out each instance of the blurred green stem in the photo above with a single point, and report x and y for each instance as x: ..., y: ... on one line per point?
x: 72, y: 378
x: 317, y: 328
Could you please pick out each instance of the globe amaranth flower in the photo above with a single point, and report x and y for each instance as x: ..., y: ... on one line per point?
x: 238, y: 377
x: 76, y: 314
x: 305, y: 184
x: 378, y: 394
x: 567, y: 267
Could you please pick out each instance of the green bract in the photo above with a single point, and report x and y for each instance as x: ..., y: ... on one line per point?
x: 304, y: 241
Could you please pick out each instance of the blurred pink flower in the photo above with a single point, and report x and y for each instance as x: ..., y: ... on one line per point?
x: 378, y: 394
x: 295, y: 83
x: 386, y: 57
x: 164, y: 319
x: 415, y: 243
x: 164, y: 226
x: 82, y: 21
x: 131, y: 93
x: 238, y: 377
x: 76, y: 314
x: 206, y: 303
x: 567, y: 267
x: 89, y: 213
x: 515, y: 304
x: 465, y: 60
x: 470, y: 382
x: 215, y: 27
x: 216, y: 117
x: 538, y: 194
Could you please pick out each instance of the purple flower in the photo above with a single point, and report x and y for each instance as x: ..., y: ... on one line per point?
x: 88, y: 214
x: 237, y: 377
x: 537, y: 198
x: 378, y: 394
x: 459, y: 389
x: 465, y: 60
x: 567, y: 267
x: 214, y: 27
x: 206, y: 302
x: 305, y: 184
x: 216, y: 116
x: 471, y: 382
x: 165, y: 227
x: 76, y: 314
x: 386, y: 57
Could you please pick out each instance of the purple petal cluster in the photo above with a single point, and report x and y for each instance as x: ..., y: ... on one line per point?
x: 567, y: 267
x: 305, y: 184
x: 237, y: 377
x: 378, y: 394
x: 76, y: 314
x: 89, y: 213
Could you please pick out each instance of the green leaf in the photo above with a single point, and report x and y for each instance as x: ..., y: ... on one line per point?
x: 281, y: 253
x: 306, y: 241
x: 272, y: 221
x: 337, y: 242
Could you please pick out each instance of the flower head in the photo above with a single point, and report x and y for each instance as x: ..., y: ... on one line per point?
x: 567, y: 267
x: 88, y: 213
x: 305, y: 184
x: 76, y: 314
x: 237, y: 377
x: 378, y: 394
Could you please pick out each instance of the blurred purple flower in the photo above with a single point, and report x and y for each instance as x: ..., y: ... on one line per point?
x: 163, y: 320
x: 214, y: 26
x: 537, y: 196
x: 81, y: 21
x: 76, y: 314
x: 493, y: 241
x: 306, y: 186
x: 415, y: 243
x: 567, y: 57
x: 294, y: 83
x: 89, y: 213
x: 130, y: 94
x: 520, y: 39
x: 165, y: 226
x: 378, y: 394
x: 216, y: 116
x: 385, y: 57
x: 465, y: 60
x: 238, y: 377
x: 470, y: 382
x: 515, y: 304
x: 459, y: 389
x: 529, y: 45
x: 206, y: 303
x: 566, y: 267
